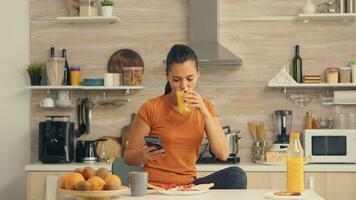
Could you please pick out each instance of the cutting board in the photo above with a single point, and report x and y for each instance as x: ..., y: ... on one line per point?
x: 110, y: 149
x: 125, y: 132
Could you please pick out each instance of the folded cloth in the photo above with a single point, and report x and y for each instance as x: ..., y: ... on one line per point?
x: 282, y: 77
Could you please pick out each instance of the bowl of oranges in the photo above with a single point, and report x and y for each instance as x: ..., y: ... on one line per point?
x: 90, y: 184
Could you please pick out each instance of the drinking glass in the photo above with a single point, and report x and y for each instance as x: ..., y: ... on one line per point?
x: 182, y: 107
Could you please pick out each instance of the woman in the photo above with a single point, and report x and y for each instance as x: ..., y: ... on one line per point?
x: 181, y: 135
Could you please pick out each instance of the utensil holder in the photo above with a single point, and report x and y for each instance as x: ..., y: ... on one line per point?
x: 259, y: 151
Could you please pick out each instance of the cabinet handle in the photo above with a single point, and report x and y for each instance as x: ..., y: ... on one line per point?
x: 311, y: 183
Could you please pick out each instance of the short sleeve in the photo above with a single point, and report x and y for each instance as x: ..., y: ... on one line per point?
x: 211, y: 108
x: 146, y: 112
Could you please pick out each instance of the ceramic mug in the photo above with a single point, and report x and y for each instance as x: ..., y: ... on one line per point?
x: 47, y: 103
x: 138, y: 183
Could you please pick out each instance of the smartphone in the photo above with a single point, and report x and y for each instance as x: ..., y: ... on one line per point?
x: 153, y: 141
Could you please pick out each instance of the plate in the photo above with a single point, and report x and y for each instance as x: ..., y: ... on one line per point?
x: 271, y: 195
x: 182, y: 193
x: 105, y: 194
x: 195, y: 190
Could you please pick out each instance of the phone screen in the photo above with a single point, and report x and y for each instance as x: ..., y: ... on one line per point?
x: 153, y: 141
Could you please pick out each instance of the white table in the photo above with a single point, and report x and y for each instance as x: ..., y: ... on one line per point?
x: 217, y: 195
x: 214, y: 195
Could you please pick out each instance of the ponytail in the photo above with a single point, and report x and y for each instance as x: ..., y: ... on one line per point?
x: 167, y: 88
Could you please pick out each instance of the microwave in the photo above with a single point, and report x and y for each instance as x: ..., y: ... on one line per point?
x: 330, y: 145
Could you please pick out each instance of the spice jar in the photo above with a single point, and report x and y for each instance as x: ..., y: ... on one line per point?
x: 88, y: 8
x: 332, y: 75
x: 345, y: 74
x: 75, y: 75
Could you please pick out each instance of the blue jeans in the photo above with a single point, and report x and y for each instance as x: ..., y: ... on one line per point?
x: 228, y: 178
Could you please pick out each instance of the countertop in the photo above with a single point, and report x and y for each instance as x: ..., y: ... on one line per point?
x: 216, y: 194
x: 248, y: 167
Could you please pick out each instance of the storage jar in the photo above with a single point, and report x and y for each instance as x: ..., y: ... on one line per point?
x: 353, y: 70
x: 88, y: 8
x: 132, y: 76
x: 55, y: 70
x: 345, y: 74
x: 332, y: 75
x: 75, y: 75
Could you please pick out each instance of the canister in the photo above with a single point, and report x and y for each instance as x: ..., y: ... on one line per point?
x: 88, y: 8
x: 345, y: 74
x: 332, y: 74
x: 132, y: 76
x: 55, y: 70
x: 353, y: 70
x: 75, y: 75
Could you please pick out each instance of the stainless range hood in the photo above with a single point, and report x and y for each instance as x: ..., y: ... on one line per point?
x: 204, y: 35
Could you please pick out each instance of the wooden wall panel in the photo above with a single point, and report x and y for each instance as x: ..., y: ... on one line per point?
x: 151, y: 27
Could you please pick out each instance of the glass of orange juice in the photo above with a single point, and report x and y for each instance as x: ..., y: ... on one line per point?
x: 182, y: 107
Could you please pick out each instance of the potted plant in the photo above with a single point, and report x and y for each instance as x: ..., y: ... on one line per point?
x: 35, y: 72
x: 106, y: 7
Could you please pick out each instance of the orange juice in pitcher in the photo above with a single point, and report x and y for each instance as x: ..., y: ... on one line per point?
x: 295, y: 164
x: 182, y: 107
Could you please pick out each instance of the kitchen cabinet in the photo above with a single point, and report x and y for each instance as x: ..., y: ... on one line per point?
x: 36, y: 184
x: 331, y: 181
x: 329, y: 185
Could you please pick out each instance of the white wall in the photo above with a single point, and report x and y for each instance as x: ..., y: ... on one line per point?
x: 14, y: 99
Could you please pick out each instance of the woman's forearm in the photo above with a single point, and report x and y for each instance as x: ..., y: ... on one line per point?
x: 217, y: 139
x: 133, y: 157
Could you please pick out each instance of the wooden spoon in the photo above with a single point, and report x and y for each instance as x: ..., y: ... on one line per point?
x: 253, y: 130
x: 261, y: 131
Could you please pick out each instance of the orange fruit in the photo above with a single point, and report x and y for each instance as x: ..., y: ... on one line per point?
x: 62, y: 181
x: 88, y: 172
x: 112, y: 185
x: 72, y: 179
x: 102, y: 172
x: 96, y: 183
x: 109, y: 178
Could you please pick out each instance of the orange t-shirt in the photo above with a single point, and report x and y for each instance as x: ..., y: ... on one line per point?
x: 181, y: 136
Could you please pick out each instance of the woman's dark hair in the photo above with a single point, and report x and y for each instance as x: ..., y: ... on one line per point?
x: 178, y: 54
x: 124, y: 58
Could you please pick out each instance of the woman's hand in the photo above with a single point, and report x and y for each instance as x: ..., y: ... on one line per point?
x: 151, y: 153
x: 193, y: 99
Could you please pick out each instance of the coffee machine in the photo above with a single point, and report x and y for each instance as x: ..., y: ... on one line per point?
x: 282, y: 125
x: 56, y: 140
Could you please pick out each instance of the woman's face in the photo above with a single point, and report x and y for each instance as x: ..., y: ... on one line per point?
x: 183, y: 75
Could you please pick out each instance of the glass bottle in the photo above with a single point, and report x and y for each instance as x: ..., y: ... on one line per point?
x: 52, y: 52
x: 295, y: 164
x: 297, y: 66
x: 308, y: 121
x: 66, y: 79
